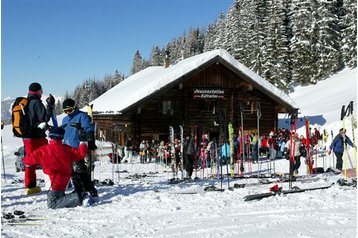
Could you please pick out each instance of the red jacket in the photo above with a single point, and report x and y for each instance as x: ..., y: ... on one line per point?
x: 56, y: 161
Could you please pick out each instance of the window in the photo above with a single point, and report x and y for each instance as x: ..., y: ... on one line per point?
x: 208, y: 106
x: 168, y: 108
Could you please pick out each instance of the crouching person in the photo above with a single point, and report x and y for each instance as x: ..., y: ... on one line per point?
x: 56, y: 160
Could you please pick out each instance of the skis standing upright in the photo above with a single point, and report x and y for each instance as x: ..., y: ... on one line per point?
x: 53, y: 117
x: 308, y: 146
x: 345, y: 112
x: 203, y: 152
x: 332, y: 138
x: 231, y: 141
x: 195, y: 152
x: 181, y: 131
x: 354, y: 126
x: 172, y: 150
x: 90, y: 152
x: 293, y: 128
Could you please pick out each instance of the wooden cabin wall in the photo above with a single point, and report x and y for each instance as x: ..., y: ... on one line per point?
x: 114, y: 128
x: 147, y: 121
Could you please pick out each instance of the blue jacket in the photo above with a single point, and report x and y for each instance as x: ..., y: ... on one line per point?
x: 72, y: 134
x: 337, y: 144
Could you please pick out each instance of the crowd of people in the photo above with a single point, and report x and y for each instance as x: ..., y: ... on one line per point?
x: 67, y: 156
x: 272, y: 145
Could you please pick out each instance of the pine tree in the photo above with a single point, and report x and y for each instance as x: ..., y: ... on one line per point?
x: 220, y: 32
x: 233, y: 29
x: 349, y: 26
x: 156, y: 57
x: 209, y: 38
x: 301, y: 42
x: 137, y: 64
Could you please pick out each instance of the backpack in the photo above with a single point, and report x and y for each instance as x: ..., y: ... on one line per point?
x: 20, y: 117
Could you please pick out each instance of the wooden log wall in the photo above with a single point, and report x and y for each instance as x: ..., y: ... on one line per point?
x: 147, y: 119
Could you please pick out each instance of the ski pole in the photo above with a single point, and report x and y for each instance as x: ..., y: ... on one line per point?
x: 2, y: 156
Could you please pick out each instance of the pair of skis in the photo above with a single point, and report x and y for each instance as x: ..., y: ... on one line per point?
x: 19, y: 217
x: 346, y: 112
x: 173, y: 162
x: 279, y: 191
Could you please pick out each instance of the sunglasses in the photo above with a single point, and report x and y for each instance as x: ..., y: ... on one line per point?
x: 68, y: 110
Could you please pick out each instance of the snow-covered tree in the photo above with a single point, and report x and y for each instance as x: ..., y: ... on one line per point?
x: 137, y: 64
x: 349, y: 26
x: 156, y: 57
x: 302, y: 20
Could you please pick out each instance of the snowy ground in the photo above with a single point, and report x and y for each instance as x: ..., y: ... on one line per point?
x: 150, y: 207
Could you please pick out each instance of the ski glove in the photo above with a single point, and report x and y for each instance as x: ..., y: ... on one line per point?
x: 50, y: 101
x: 42, y: 126
x: 91, y: 141
x: 92, y: 145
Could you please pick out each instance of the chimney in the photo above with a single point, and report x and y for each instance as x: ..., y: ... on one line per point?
x: 167, y: 60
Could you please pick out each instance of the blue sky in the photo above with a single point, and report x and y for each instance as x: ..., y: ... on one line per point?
x: 61, y: 43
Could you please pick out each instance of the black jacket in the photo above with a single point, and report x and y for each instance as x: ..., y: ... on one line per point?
x: 37, y: 113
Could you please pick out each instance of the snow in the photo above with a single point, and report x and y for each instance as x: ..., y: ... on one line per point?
x: 149, y: 207
x: 152, y: 79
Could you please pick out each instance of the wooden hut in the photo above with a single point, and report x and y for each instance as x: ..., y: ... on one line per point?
x: 205, y: 92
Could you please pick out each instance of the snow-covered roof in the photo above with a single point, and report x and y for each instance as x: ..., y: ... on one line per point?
x: 154, y: 78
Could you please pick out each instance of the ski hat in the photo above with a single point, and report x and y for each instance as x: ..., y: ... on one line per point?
x: 57, y: 133
x: 68, y: 103
x: 35, y: 87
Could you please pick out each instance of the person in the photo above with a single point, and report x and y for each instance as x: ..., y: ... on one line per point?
x: 39, y: 117
x: 303, y: 140
x: 152, y: 148
x: 189, y: 151
x: 128, y: 151
x: 254, y: 147
x: 263, y: 149
x: 338, y: 145
x: 142, y: 152
x: 296, y: 144
x: 56, y: 160
x: 78, y: 127
x: 272, y: 145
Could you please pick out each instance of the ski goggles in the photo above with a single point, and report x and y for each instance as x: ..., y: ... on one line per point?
x: 68, y: 110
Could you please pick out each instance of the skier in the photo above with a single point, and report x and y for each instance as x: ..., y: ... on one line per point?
x: 56, y: 159
x: 78, y: 127
x: 296, y: 144
x: 338, y: 146
x: 39, y: 116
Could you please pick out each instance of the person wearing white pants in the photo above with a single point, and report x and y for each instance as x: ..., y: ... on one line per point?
x: 128, y: 151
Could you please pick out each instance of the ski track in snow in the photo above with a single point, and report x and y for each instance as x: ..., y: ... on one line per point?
x: 131, y: 208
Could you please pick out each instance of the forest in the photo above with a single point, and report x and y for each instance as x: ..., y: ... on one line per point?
x: 287, y: 42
